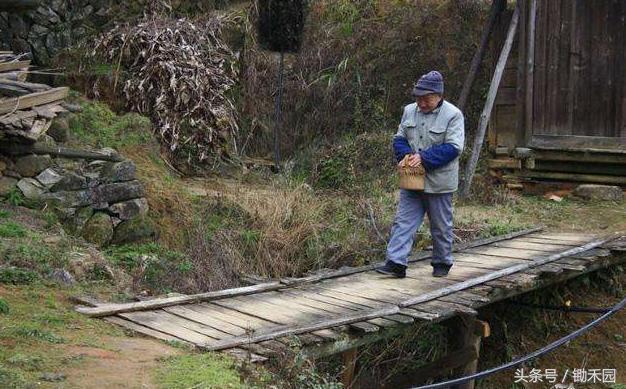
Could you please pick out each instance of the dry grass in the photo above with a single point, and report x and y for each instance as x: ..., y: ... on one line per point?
x: 170, y: 204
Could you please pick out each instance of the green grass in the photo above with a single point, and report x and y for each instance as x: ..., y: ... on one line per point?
x: 206, y: 370
x: 97, y: 125
x: 4, y: 307
x: 11, y: 229
x: 34, y: 333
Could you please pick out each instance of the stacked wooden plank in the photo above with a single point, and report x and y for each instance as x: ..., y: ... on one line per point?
x: 26, y: 108
x: 335, y: 312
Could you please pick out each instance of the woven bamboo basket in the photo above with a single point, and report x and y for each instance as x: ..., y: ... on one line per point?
x: 412, y: 177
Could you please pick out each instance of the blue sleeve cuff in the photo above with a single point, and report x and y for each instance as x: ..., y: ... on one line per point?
x: 438, y: 156
x: 401, y: 147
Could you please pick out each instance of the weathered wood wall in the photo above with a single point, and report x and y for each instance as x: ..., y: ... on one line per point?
x: 578, y: 82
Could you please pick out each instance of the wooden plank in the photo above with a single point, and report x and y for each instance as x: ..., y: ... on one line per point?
x: 506, y: 96
x: 573, y: 237
x: 178, y: 300
x: 161, y: 316
x: 504, y: 163
x: 16, y: 65
x: 245, y: 321
x: 502, y: 273
x: 509, y: 253
x: 520, y: 106
x: 564, y: 68
x: 364, y: 327
x: 245, y: 355
x: 143, y: 330
x: 552, y: 66
x: 486, y: 113
x: 573, y: 177
x: 579, y: 156
x: 539, y: 88
x: 578, y: 142
x: 544, y: 246
x: 30, y: 100
x: 207, y: 319
x: 148, y: 319
x: 265, y: 310
x: 301, y: 329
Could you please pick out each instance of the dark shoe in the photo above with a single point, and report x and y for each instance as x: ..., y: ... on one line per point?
x: 441, y: 270
x: 393, y: 269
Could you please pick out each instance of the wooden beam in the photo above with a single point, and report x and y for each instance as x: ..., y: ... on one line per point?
x: 19, y: 149
x: 435, y: 369
x: 30, y: 100
x: 497, y: 6
x: 501, y: 273
x: 486, y: 114
x: 349, y: 358
x: 574, y: 177
x: 530, y: 70
x: 299, y: 329
x: 178, y: 300
x: 578, y: 142
x: 505, y: 163
x: 16, y: 65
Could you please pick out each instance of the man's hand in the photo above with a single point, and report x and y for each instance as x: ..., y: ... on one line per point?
x: 414, y: 160
x: 411, y: 160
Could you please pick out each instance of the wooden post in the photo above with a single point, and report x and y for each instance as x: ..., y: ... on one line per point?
x: 466, y: 332
x: 530, y: 69
x: 486, y: 114
x: 349, y: 365
x: 496, y: 8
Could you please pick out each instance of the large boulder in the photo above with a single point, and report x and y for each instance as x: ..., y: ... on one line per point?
x: 118, y: 172
x: 139, y: 229
x: 99, y: 229
x: 49, y: 177
x: 599, y: 192
x: 31, y: 165
x: 31, y: 188
x: 70, y: 181
x: 59, y: 129
x: 67, y: 199
x: 116, y: 192
x: 7, y: 185
x: 127, y: 210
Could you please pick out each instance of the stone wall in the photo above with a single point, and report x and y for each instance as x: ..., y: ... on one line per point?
x: 52, y: 26
x: 99, y: 200
x: 57, y: 24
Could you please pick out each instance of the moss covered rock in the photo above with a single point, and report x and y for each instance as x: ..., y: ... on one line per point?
x: 140, y: 229
x: 99, y: 229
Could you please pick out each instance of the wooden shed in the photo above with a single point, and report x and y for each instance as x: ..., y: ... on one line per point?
x: 560, y: 111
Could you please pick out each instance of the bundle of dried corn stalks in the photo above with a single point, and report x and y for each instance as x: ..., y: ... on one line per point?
x: 177, y: 72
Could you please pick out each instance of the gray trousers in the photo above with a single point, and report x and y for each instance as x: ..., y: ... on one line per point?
x: 412, y: 207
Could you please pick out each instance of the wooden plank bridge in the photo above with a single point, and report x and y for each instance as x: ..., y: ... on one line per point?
x: 340, y: 310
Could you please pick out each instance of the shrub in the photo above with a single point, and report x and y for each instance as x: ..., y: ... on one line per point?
x: 17, y: 276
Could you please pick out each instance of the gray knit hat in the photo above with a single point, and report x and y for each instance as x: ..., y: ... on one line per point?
x: 431, y: 82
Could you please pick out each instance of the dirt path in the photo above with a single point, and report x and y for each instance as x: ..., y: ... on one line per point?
x: 129, y: 363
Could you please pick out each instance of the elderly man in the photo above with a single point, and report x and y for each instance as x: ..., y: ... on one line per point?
x: 431, y: 133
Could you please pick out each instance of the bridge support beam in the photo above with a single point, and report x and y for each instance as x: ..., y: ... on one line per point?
x: 466, y: 333
x: 349, y: 358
